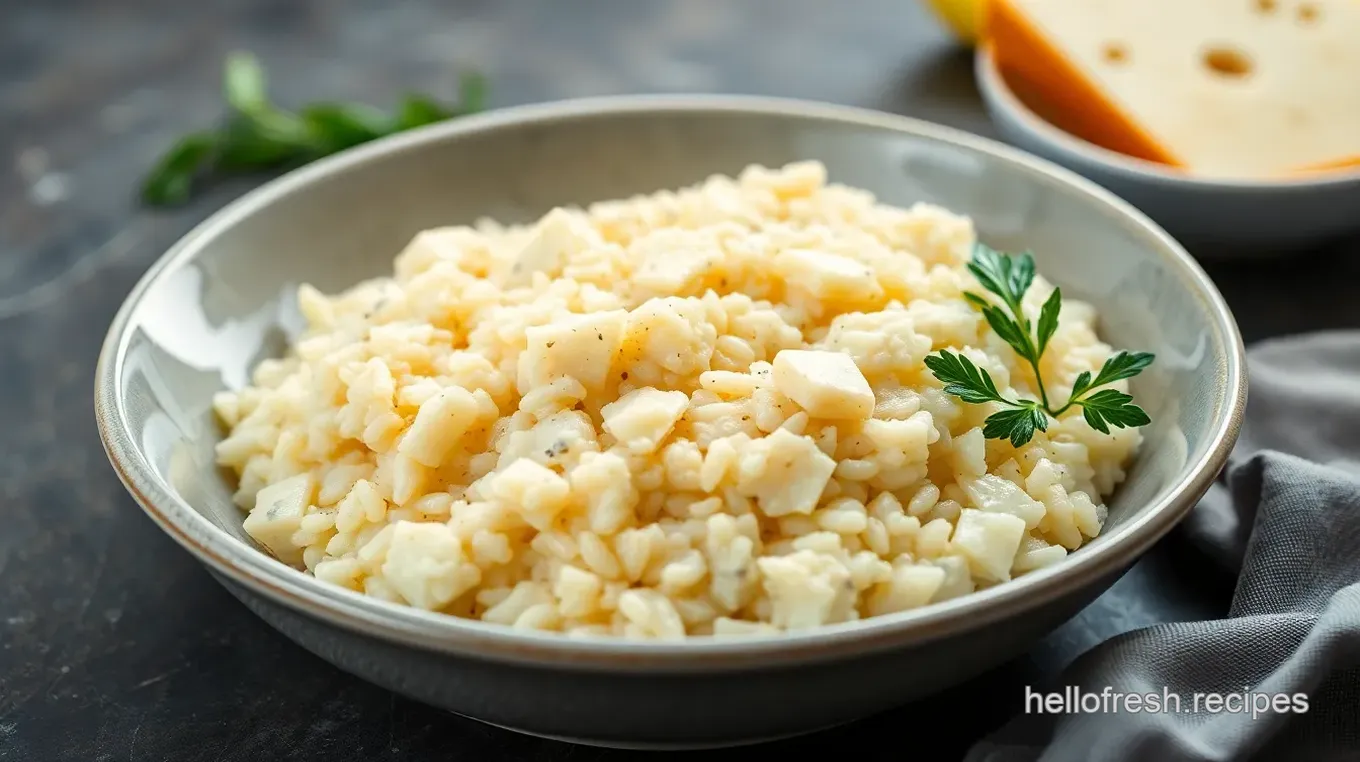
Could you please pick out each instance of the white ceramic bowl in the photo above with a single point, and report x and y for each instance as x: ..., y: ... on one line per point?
x: 1213, y: 217
x: 222, y: 299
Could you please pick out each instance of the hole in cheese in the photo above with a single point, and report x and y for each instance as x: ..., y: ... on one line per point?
x: 1308, y: 13
x: 1227, y: 62
x: 1114, y: 53
x: 1266, y: 6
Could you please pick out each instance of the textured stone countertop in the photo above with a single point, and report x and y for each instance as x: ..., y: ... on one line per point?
x: 114, y: 644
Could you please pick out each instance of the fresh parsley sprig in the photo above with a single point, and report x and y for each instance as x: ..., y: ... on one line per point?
x: 258, y: 136
x: 1007, y: 278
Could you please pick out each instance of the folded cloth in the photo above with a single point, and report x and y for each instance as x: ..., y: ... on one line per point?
x: 1285, y: 516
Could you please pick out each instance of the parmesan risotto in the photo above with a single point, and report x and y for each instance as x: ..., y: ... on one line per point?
x: 697, y: 412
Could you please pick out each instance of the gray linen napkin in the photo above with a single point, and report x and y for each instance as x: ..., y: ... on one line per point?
x: 1285, y: 516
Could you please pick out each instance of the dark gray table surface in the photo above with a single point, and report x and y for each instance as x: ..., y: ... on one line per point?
x: 114, y: 644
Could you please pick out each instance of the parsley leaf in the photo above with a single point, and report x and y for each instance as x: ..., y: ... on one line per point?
x: 1111, y: 407
x: 1008, y: 278
x: 997, y: 273
x: 968, y: 382
x: 1016, y: 424
x: 471, y: 93
x: 1010, y: 331
x: 333, y: 127
x: 1048, y: 319
x: 244, y: 84
x: 1082, y: 383
x: 976, y: 300
x: 265, y: 142
x: 172, y: 180
x: 962, y: 378
x: 255, y: 135
x: 1123, y: 365
x: 417, y: 111
x: 1021, y: 276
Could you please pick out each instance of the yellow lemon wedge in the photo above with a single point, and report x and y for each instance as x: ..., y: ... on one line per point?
x: 963, y: 17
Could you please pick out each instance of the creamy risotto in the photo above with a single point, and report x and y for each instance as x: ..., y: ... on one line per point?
x: 697, y: 412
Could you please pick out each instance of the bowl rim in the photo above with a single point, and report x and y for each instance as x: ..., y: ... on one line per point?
x: 230, y: 558
x: 999, y: 96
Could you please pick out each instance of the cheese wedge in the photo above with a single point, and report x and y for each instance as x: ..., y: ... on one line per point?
x: 1225, y: 88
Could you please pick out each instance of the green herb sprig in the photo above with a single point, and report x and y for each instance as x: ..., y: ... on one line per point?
x: 1008, y: 277
x: 258, y: 136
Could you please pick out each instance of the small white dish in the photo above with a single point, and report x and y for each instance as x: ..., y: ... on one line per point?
x: 1217, y: 218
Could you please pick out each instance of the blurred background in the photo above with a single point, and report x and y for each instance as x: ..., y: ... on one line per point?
x: 116, y: 645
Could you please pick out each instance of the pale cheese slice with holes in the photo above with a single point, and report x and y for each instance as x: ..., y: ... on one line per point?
x: 1225, y: 88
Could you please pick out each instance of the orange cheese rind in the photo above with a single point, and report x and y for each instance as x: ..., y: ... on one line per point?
x: 1048, y: 81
